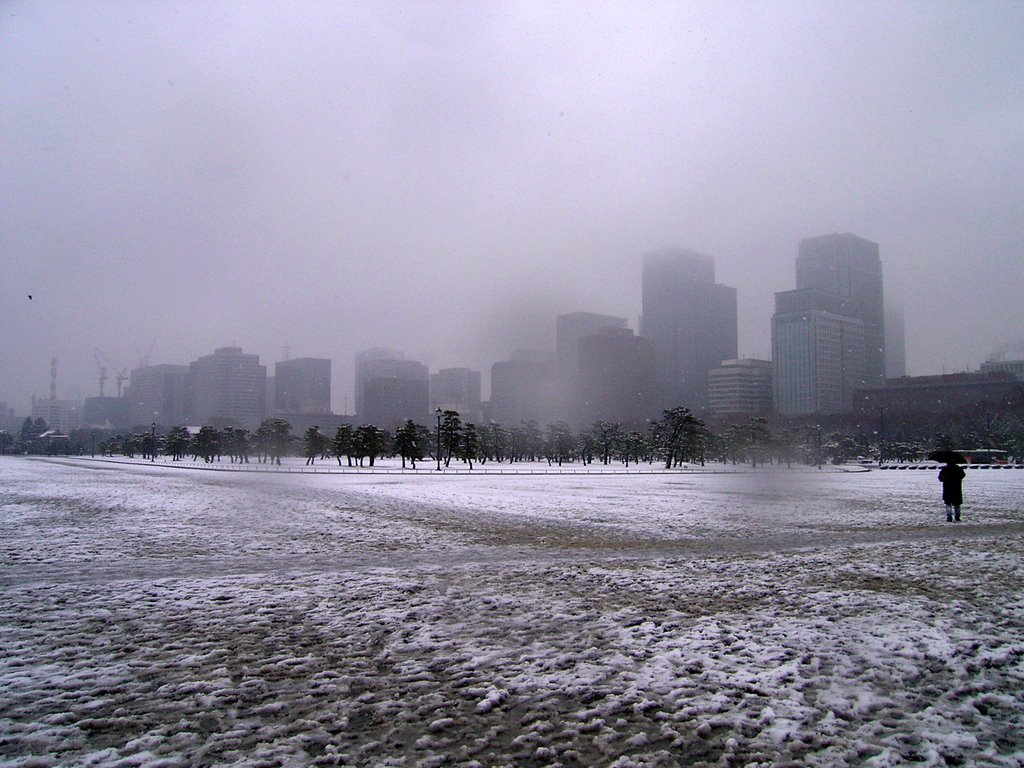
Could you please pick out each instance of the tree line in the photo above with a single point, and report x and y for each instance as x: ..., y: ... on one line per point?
x: 678, y: 437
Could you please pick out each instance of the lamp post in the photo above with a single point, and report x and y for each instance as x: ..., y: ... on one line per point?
x: 152, y: 443
x: 438, y: 414
x: 881, y: 434
x: 817, y: 443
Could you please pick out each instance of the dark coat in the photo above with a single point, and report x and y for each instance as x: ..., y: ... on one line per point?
x: 951, y: 476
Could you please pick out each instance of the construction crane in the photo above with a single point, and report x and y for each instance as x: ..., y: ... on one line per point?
x: 120, y: 374
x: 98, y: 357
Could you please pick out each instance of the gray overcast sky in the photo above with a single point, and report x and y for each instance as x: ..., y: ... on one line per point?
x: 447, y: 177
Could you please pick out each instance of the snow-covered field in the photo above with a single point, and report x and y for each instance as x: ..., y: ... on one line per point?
x: 161, y: 616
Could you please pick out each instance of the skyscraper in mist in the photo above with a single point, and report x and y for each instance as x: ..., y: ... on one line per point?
x: 159, y: 393
x: 691, y: 321
x: 457, y: 389
x: 817, y: 352
x: 524, y: 388
x: 570, y: 329
x: 389, y: 400
x: 228, y: 387
x: 895, y: 343
x: 616, y: 380
x: 849, y: 267
x: 302, y: 385
x: 367, y: 362
x: 390, y: 389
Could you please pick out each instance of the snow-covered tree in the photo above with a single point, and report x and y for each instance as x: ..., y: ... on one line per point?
x: 368, y: 442
x: 407, y: 442
x: 469, y: 444
x: 606, y: 433
x: 451, y: 433
x: 177, y: 443
x: 314, y: 443
x: 341, y: 445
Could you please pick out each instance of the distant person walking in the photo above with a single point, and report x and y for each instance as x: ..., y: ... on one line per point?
x: 952, y: 478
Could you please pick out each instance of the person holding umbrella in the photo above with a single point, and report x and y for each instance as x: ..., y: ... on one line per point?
x: 952, y: 478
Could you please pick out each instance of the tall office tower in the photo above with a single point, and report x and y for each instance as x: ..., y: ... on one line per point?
x: 229, y: 388
x: 817, y: 352
x: 569, y: 329
x: 456, y: 389
x: 741, y: 387
x: 849, y: 267
x: 158, y: 393
x: 62, y: 416
x: 270, y: 397
x: 524, y: 388
x: 389, y: 400
x: 390, y: 389
x: 365, y: 362
x: 615, y: 381
x: 302, y: 385
x: 107, y: 413
x: 691, y: 321
x: 895, y: 343
x: 8, y: 421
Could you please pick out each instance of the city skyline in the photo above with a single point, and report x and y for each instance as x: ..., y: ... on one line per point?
x: 449, y: 178
x: 390, y: 355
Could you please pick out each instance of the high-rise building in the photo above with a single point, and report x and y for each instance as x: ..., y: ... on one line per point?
x: 741, y: 387
x: 107, y: 412
x: 302, y: 385
x: 615, y: 381
x: 8, y: 421
x: 456, y: 389
x: 691, y: 320
x: 569, y: 329
x: 895, y: 343
x: 817, y: 353
x: 62, y: 416
x: 524, y: 388
x: 228, y: 387
x: 158, y: 393
x: 849, y: 266
x: 368, y: 362
x: 390, y: 389
x: 388, y: 401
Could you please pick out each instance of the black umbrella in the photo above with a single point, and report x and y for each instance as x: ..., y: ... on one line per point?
x: 947, y: 457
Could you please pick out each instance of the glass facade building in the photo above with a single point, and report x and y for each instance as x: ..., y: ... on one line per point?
x: 817, y: 353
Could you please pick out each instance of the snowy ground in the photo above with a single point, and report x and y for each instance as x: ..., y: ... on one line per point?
x: 161, y: 616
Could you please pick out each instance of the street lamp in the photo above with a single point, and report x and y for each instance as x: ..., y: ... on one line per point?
x: 152, y: 446
x: 438, y: 414
x: 881, y: 434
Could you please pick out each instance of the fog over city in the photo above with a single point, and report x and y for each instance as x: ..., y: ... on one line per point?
x: 446, y: 178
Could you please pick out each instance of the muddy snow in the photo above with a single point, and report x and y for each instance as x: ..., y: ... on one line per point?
x: 160, y: 616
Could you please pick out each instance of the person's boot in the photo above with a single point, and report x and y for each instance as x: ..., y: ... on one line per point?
x: 949, y: 514
x: 957, y: 514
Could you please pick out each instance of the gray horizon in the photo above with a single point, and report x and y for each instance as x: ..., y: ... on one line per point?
x: 445, y: 179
